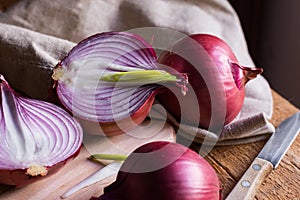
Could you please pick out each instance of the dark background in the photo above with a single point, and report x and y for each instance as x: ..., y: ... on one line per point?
x: 272, y: 31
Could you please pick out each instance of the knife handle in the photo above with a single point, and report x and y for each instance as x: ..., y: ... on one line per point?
x: 246, y: 187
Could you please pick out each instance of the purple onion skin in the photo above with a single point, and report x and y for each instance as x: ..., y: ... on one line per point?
x: 211, y: 67
x: 189, y: 177
x: 19, y: 178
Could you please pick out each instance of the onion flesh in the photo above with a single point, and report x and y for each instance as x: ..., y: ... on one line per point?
x: 108, y: 81
x: 37, y: 138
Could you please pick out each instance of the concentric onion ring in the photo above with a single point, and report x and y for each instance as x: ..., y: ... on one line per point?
x: 103, y: 106
x: 37, y: 137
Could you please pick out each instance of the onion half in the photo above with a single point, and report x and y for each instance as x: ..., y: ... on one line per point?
x: 37, y: 138
x: 109, y: 81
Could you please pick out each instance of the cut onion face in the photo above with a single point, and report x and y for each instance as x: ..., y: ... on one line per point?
x: 108, y: 81
x: 37, y: 138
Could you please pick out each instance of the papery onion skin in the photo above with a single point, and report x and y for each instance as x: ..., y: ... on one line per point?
x: 178, y: 174
x: 41, y: 132
x: 211, y: 66
x: 111, y: 48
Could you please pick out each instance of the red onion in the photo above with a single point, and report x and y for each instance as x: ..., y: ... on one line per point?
x: 215, y: 76
x: 108, y: 81
x: 164, y: 170
x: 37, y: 138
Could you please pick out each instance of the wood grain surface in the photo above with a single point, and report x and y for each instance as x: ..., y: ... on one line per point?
x: 76, y: 170
x: 247, y: 186
x: 230, y: 163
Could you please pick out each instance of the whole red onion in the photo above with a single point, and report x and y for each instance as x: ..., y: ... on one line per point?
x: 164, y: 170
x: 217, y: 81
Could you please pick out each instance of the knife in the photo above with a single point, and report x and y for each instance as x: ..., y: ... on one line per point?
x: 105, y: 172
x: 267, y: 160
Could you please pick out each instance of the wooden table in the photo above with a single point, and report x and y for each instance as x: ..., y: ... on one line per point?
x: 230, y: 163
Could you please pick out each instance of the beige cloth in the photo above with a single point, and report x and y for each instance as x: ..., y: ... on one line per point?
x: 51, y: 28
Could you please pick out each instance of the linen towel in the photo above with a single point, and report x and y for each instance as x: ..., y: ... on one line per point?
x: 36, y: 34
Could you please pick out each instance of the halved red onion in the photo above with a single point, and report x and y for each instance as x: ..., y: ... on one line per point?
x: 37, y: 138
x: 109, y: 81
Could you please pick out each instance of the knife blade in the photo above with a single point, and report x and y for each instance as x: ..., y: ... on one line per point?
x: 105, y: 172
x: 267, y: 159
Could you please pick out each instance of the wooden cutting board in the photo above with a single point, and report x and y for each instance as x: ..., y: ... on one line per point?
x: 230, y: 162
x: 76, y: 170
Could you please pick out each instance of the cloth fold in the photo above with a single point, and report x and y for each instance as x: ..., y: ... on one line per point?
x: 36, y: 34
x: 27, y: 59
